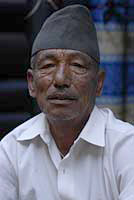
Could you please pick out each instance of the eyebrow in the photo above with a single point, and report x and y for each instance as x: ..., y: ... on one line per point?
x: 47, y: 56
x: 77, y: 55
x: 44, y: 57
x: 84, y: 58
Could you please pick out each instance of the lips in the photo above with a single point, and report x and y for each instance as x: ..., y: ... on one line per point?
x: 61, y: 97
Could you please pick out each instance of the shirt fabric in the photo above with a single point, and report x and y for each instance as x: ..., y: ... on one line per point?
x: 99, y: 165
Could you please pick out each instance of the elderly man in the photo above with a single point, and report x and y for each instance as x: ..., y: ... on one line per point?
x: 72, y: 150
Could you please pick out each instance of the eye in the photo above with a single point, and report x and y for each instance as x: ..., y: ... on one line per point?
x: 78, y: 68
x: 77, y: 65
x: 49, y: 65
x: 46, y: 68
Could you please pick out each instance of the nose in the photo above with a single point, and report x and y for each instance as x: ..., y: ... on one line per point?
x: 62, y: 78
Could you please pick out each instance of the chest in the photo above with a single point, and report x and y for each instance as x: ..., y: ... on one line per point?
x: 80, y: 176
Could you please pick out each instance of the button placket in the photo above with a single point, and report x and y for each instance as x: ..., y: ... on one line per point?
x: 65, y: 179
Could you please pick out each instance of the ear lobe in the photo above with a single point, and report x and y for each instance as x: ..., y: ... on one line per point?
x: 31, y: 84
x: 101, y: 78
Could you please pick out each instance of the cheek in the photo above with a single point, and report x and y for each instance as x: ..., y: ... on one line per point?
x: 86, y: 86
x: 42, y: 84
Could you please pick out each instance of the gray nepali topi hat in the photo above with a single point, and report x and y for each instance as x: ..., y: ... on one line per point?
x: 69, y: 28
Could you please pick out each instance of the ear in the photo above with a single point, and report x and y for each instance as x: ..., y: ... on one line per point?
x: 101, y: 78
x: 31, y: 83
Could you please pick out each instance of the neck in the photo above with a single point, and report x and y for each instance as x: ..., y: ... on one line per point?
x: 66, y: 132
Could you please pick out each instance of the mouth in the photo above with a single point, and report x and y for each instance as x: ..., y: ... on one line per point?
x: 61, y: 99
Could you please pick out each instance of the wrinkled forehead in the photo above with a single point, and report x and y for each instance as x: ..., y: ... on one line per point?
x: 62, y: 54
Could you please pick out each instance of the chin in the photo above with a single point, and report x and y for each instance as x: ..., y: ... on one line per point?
x: 61, y: 117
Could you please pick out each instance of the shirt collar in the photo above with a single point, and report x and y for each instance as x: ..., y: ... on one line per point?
x: 94, y: 130
x: 37, y: 126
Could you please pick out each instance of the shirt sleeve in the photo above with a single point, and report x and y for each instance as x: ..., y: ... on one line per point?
x: 8, y: 179
x: 124, y: 167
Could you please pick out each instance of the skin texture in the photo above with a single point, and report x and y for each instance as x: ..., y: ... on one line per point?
x: 65, y: 84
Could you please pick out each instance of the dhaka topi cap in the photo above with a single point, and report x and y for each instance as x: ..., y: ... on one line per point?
x: 72, y: 28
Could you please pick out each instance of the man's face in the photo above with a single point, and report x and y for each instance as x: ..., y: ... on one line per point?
x: 65, y: 83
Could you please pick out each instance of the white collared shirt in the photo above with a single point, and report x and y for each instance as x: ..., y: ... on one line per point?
x: 99, y: 165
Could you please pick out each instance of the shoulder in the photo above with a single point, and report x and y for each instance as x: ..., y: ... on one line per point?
x: 10, y: 144
x: 119, y: 154
x: 118, y: 134
x: 10, y: 140
x: 116, y: 129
